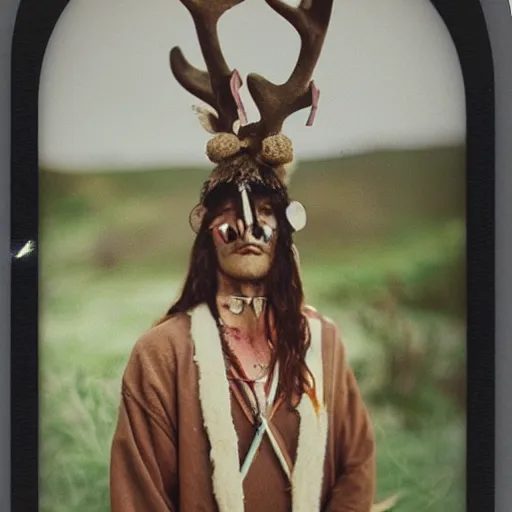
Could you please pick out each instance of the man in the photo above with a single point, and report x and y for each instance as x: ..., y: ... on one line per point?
x: 241, y: 398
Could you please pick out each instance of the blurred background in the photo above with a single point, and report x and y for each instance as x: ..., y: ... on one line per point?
x: 382, y: 176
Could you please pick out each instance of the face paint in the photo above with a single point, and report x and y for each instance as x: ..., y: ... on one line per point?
x: 246, y: 206
x: 262, y: 230
x: 245, y: 249
x: 227, y: 233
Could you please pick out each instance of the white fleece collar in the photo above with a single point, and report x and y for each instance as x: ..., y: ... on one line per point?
x: 214, y: 395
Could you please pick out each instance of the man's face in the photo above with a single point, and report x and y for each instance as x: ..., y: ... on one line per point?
x: 240, y: 254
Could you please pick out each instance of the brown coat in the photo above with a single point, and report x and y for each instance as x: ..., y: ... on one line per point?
x: 182, y: 434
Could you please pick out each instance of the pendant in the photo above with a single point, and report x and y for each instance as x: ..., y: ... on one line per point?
x: 236, y: 305
x: 257, y: 305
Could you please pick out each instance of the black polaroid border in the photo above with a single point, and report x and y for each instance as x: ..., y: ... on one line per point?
x: 465, y: 21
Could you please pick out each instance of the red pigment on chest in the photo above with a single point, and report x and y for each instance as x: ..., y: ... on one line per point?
x: 252, y: 356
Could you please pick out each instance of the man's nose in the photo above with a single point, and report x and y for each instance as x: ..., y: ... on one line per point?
x: 248, y: 233
x: 240, y: 224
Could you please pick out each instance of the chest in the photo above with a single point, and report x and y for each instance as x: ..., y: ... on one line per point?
x: 222, y: 434
x: 249, y: 355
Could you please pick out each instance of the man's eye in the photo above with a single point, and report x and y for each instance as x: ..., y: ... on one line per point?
x: 266, y: 210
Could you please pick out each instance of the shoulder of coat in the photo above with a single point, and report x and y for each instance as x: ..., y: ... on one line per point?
x: 164, y: 339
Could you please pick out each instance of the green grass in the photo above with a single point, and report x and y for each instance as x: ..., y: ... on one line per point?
x: 114, y: 249
x: 426, y: 479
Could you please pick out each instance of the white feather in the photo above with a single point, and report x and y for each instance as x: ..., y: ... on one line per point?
x: 207, y: 117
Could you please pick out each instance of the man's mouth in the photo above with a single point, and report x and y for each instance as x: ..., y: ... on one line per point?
x: 249, y: 249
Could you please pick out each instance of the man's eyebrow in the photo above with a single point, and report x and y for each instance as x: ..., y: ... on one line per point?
x: 224, y: 208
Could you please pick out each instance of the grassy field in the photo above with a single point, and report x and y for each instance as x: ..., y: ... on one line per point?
x: 114, y: 249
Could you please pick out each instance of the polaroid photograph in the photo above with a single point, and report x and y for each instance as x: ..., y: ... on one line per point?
x: 260, y: 235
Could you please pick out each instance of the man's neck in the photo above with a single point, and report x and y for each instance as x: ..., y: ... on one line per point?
x: 227, y: 286
x: 247, y: 321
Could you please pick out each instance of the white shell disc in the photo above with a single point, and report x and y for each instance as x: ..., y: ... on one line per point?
x: 296, y: 215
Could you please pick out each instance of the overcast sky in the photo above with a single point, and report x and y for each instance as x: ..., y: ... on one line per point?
x: 389, y: 76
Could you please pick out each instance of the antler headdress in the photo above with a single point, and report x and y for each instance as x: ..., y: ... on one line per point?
x: 241, y: 151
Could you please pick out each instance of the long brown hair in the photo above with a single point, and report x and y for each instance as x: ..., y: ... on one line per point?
x: 290, y: 334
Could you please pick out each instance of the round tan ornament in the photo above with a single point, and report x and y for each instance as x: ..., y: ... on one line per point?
x: 196, y: 217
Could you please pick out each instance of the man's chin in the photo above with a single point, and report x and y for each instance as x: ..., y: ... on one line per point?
x: 247, y: 275
x: 249, y: 278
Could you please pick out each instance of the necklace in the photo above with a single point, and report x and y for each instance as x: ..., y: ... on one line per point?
x: 236, y: 304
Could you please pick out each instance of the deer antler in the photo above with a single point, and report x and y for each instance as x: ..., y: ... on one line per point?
x: 219, y: 85
x: 276, y: 102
